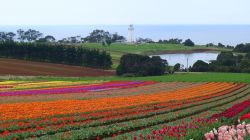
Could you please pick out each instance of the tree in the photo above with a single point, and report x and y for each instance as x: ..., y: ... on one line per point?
x: 245, y: 66
x: 248, y: 55
x: 221, y: 45
x: 144, y: 40
x: 200, y: 66
x: 230, y: 47
x: 171, y: 41
x: 47, y: 38
x: 98, y: 36
x: 21, y: 36
x: 141, y: 65
x: 238, y: 58
x: 189, y: 42
x: 226, y: 59
x: 244, y: 48
x: 210, y: 45
x: 177, y: 67
x: 108, y: 42
x: 117, y: 38
x: 64, y: 40
x: 160, y: 41
x: 173, y: 69
x: 30, y: 35
x: 56, y: 53
x: 7, y: 36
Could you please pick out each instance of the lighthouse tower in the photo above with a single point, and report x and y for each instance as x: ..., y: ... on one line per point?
x: 131, y: 34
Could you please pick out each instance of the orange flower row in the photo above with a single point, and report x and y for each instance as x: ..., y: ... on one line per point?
x: 43, y: 109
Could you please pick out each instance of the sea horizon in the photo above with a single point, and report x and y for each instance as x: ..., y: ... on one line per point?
x: 201, y: 34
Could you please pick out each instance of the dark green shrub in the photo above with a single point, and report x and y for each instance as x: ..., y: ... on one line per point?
x: 200, y: 66
x: 141, y: 65
x: 189, y: 42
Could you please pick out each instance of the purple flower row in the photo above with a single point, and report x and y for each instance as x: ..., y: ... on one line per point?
x: 76, y: 89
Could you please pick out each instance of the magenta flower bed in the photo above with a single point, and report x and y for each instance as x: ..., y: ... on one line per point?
x: 233, y: 111
x: 77, y: 89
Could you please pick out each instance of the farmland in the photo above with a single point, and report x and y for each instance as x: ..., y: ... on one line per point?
x: 118, y: 109
x: 117, y: 50
x: 28, y: 68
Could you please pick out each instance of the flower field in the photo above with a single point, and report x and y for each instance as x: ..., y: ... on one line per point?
x: 118, y: 109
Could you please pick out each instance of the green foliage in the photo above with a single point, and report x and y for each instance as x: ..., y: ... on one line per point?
x: 244, y: 48
x: 56, y: 54
x: 248, y: 55
x: 100, y: 36
x: 200, y: 66
x: 47, y: 39
x: 226, y: 62
x: 189, y: 42
x: 173, y: 69
x: 29, y: 35
x: 171, y: 41
x: 177, y: 67
x: 245, y: 66
x: 199, y: 133
x: 141, y: 65
x: 226, y: 59
x: 7, y: 36
x: 221, y: 45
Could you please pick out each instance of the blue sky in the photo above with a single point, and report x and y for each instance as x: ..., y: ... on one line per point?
x: 123, y: 12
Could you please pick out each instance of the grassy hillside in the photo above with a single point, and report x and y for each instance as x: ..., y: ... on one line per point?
x: 179, y: 77
x: 117, y: 49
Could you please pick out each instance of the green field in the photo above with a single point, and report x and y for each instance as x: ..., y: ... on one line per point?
x: 117, y: 50
x: 179, y: 77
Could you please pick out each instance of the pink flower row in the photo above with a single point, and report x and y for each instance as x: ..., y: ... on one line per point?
x: 238, y: 132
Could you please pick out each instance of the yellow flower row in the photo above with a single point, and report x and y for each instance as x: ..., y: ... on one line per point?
x: 45, y: 84
x: 10, y: 82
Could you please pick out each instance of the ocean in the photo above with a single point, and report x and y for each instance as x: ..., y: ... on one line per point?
x: 200, y: 34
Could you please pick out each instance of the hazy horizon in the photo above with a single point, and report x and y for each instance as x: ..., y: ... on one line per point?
x: 200, y: 34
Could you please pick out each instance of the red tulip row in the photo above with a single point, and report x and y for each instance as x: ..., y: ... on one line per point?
x: 233, y: 111
x: 245, y: 117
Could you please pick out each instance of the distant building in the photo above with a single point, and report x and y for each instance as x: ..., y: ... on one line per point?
x: 131, y: 37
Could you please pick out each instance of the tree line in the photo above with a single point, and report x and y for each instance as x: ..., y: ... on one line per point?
x: 225, y: 62
x: 30, y: 35
x: 242, y: 48
x: 96, y: 36
x: 55, y: 53
x: 236, y: 61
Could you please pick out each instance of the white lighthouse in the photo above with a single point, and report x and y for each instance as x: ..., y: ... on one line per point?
x: 131, y: 38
